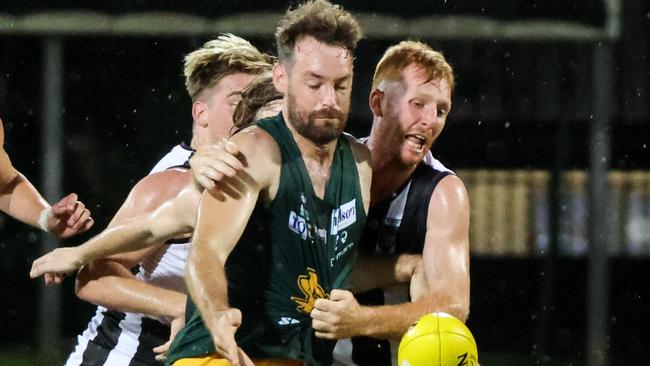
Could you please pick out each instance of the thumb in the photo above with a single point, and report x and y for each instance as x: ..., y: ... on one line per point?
x: 234, y: 317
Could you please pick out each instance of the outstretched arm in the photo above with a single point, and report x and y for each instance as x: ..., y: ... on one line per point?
x: 171, y: 219
x: 445, y: 265
x: 20, y: 200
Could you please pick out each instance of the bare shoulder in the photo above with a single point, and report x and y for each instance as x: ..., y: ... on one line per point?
x: 364, y: 167
x: 260, y: 152
x: 359, y: 149
x: 154, y: 189
x: 449, y: 196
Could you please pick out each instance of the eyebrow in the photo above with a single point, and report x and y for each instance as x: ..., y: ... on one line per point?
x: 236, y: 92
x: 321, y: 77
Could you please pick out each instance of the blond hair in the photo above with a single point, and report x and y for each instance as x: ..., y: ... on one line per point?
x: 220, y: 57
x: 398, y: 57
x: 327, y: 23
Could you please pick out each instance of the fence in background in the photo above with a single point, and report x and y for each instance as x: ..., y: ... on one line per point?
x: 510, y: 212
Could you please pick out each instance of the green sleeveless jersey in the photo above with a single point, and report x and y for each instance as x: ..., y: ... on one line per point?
x: 293, y: 251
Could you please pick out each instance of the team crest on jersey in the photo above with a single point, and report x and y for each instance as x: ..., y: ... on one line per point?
x: 311, y: 289
x: 343, y: 216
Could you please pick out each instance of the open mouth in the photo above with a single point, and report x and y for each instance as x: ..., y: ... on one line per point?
x: 416, y: 142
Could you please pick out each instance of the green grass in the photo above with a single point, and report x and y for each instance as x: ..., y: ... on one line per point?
x: 24, y: 356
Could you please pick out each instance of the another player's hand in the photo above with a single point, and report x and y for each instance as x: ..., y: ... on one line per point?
x: 214, y: 163
x: 69, y: 217
x: 419, y: 286
x: 161, y: 351
x: 56, y: 264
x: 336, y: 317
x: 223, y: 335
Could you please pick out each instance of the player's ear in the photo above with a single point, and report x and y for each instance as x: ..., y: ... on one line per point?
x: 280, y: 78
x: 376, y: 97
x: 198, y: 113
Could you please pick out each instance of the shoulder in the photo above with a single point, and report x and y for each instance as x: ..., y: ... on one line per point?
x: 359, y: 149
x: 154, y: 189
x: 260, y: 154
x: 449, y: 197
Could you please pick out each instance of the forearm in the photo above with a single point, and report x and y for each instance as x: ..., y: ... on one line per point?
x: 111, y: 285
x: 391, y: 321
x: 21, y: 200
x: 138, y: 233
x: 372, y: 272
x: 207, y: 285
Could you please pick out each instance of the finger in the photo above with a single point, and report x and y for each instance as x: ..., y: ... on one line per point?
x: 36, y: 268
x: 232, y: 160
x: 234, y: 317
x: 231, y: 147
x: 162, y: 349
x: 325, y: 335
x: 49, y: 280
x: 76, y: 213
x: 244, y: 359
x: 88, y: 223
x: 61, y: 206
x: 321, y: 326
x: 84, y: 215
x: 230, y: 353
x: 318, y: 314
x: 323, y: 304
x: 337, y: 295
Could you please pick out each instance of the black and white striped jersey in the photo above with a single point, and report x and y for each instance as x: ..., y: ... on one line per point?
x: 115, y: 338
x: 395, y: 226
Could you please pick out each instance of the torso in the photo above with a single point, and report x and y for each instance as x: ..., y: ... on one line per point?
x: 395, y: 225
x: 295, y: 249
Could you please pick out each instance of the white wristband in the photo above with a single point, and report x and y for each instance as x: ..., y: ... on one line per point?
x: 43, y: 217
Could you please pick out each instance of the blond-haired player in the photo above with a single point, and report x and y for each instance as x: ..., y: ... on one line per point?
x: 135, y: 311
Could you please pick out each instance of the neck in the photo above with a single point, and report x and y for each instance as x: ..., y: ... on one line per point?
x: 386, y: 165
x: 317, y: 159
x: 199, y: 136
x: 309, y: 149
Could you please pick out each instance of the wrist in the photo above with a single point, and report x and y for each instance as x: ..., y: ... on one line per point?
x: 44, y: 219
x: 366, y: 317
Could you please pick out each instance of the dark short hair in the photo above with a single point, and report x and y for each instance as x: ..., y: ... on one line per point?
x: 326, y: 22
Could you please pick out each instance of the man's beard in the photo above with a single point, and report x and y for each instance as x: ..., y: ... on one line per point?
x: 306, y: 125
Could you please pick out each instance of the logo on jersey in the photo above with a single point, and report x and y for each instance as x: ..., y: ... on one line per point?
x: 343, y: 216
x: 301, y: 226
x: 311, y: 290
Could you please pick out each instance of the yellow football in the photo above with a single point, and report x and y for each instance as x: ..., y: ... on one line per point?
x: 437, y: 339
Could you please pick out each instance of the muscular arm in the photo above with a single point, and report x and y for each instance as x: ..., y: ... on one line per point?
x: 220, y: 223
x: 109, y: 282
x: 445, y: 264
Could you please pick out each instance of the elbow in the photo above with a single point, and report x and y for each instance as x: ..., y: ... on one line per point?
x: 91, y: 280
x: 83, y: 283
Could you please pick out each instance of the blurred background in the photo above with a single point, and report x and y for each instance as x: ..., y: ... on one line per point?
x: 549, y: 130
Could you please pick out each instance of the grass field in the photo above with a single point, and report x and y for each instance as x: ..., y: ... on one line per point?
x: 25, y: 357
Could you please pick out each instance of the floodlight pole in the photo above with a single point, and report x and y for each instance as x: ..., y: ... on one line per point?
x: 49, y: 306
x: 600, y: 155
